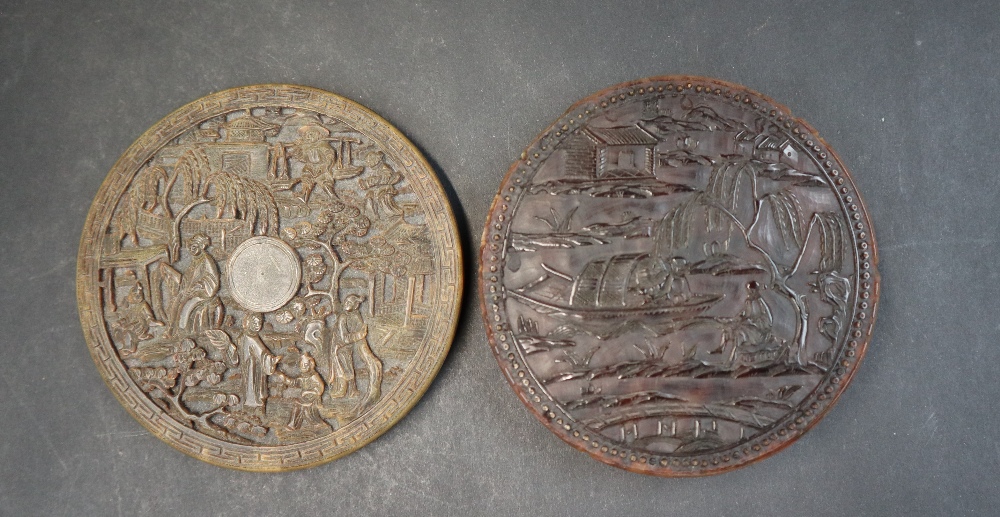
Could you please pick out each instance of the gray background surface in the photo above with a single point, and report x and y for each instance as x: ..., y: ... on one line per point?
x: 906, y: 92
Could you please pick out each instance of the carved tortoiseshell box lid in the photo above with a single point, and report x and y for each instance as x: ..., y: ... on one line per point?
x: 678, y: 276
x: 269, y: 278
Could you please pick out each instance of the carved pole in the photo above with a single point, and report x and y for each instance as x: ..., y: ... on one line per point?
x: 410, y: 281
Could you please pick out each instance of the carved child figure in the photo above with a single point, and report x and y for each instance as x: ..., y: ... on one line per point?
x: 135, y: 319
x: 305, y: 392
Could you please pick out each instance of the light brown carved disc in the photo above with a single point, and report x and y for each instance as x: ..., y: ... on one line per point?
x: 678, y: 276
x: 269, y: 278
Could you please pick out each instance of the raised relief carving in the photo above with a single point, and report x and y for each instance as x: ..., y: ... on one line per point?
x: 677, y: 273
x: 268, y: 276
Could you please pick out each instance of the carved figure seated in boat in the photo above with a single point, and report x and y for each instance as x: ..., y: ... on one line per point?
x: 621, y: 286
x: 664, y: 279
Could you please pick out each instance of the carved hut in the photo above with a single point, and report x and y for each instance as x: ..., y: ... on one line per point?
x: 612, y: 152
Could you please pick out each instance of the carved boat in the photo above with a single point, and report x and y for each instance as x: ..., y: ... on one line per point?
x: 606, y: 289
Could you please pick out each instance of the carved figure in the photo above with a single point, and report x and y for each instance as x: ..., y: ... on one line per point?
x: 243, y: 233
x: 197, y: 306
x: 256, y: 362
x: 753, y: 326
x: 353, y: 334
x: 379, y: 186
x: 305, y: 391
x: 676, y: 253
x: 314, y: 336
x: 135, y: 318
x: 667, y: 280
x: 312, y: 148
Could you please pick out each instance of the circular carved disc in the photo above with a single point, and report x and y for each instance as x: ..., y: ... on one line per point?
x: 678, y: 276
x: 269, y: 278
x: 264, y: 273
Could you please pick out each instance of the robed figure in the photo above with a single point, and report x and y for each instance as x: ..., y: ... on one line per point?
x: 256, y: 362
x: 197, y: 306
x: 380, y: 186
x: 752, y: 328
x: 353, y: 334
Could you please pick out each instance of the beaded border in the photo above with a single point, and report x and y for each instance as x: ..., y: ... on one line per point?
x: 785, y: 430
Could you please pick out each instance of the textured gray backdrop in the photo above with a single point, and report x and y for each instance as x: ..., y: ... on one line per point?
x: 906, y: 92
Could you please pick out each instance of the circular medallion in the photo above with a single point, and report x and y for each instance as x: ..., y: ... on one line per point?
x: 269, y: 278
x: 264, y: 274
x: 678, y: 276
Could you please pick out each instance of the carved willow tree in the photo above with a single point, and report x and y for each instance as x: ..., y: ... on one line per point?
x: 233, y: 196
x: 721, y: 203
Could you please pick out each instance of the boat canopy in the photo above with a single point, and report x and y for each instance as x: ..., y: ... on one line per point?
x: 605, y: 282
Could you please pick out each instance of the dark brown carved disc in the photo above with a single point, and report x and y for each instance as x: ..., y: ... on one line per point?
x: 269, y: 278
x: 678, y: 276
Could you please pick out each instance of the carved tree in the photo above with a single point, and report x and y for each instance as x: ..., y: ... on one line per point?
x: 232, y: 195
x: 721, y: 202
x: 190, y: 366
x: 329, y: 236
